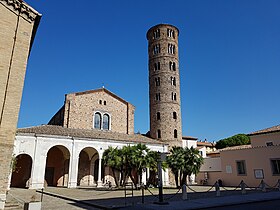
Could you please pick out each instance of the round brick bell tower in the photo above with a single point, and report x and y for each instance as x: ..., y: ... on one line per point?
x: 164, y: 84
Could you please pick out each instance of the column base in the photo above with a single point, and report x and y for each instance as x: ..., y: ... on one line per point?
x: 72, y: 185
x: 99, y: 184
x: 36, y: 186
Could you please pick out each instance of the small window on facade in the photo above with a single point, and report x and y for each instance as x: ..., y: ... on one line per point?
x: 174, y: 66
x: 275, y: 165
x: 241, y: 167
x: 157, y: 81
x: 106, y: 121
x: 104, y: 102
x: 157, y: 96
x: 174, y: 115
x: 174, y: 96
x: 97, y: 121
x: 171, y: 49
x: 173, y: 81
x: 270, y: 143
x: 157, y: 66
x: 175, y: 134
x: 156, y: 49
x: 158, y: 134
x: 158, y: 115
x: 157, y: 34
x: 100, y: 102
x: 170, y: 33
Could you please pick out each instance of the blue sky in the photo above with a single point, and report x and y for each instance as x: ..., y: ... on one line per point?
x: 229, y: 54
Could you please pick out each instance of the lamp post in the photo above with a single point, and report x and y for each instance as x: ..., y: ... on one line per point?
x: 161, y: 157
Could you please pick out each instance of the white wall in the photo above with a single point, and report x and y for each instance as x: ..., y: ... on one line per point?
x: 37, y: 148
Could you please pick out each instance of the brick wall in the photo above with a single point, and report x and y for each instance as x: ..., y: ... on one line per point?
x: 164, y: 72
x: 81, y: 107
x: 16, y: 22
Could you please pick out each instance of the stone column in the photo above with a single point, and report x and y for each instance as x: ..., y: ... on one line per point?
x: 99, y: 181
x: 73, y: 167
x: 38, y: 166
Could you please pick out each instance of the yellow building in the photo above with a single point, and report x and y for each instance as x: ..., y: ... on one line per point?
x: 18, y: 25
x: 250, y: 163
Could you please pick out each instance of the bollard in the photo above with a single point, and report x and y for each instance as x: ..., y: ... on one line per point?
x: 263, y: 186
x: 217, y: 188
x: 142, y: 187
x: 279, y: 184
x: 184, y: 192
x: 42, y: 192
x: 243, y: 186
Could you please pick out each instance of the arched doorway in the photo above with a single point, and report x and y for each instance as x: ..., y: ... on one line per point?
x: 21, y: 171
x: 57, y: 166
x: 87, y: 170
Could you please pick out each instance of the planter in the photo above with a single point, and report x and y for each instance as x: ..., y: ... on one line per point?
x: 32, y: 206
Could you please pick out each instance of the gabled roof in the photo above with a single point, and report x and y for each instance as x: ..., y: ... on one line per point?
x: 247, y: 146
x: 266, y: 130
x: 189, y: 138
x: 53, y: 130
x: 101, y: 90
x: 205, y: 143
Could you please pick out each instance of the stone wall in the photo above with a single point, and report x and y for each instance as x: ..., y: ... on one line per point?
x: 17, y: 21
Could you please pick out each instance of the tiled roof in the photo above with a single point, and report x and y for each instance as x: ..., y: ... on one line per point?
x: 54, y: 130
x: 267, y: 130
x: 237, y: 147
x: 203, y: 143
x: 189, y: 138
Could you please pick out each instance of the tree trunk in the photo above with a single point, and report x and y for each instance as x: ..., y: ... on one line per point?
x: 184, y: 179
x: 115, y: 178
x: 176, y: 179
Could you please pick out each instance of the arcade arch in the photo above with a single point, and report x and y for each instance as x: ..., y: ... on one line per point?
x: 88, y: 167
x: 21, y: 171
x: 57, y: 166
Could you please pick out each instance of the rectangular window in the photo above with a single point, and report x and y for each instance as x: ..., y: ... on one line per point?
x: 171, y: 49
x: 156, y: 34
x: 159, y: 134
x: 170, y: 33
x: 275, y: 165
x: 156, y: 49
x: 158, y: 115
x: 157, y: 81
x: 157, y: 66
x: 241, y: 167
x: 173, y: 96
x: 157, y: 96
x: 270, y: 143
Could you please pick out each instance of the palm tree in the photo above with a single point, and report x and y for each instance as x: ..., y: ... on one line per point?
x: 184, y: 162
x: 192, y: 163
x: 112, y: 158
x: 175, y: 161
x: 130, y: 161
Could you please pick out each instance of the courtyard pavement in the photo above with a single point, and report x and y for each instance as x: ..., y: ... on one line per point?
x: 96, y: 198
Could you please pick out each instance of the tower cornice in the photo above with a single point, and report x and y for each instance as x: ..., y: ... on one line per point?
x: 21, y: 8
x: 161, y: 25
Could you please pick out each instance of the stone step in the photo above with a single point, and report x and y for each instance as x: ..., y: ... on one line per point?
x: 12, y: 203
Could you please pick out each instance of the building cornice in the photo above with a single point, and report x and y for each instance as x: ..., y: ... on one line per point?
x: 20, y: 7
